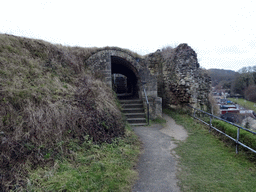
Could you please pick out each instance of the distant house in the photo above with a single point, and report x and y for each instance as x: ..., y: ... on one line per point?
x: 228, y: 109
x: 221, y: 92
x: 224, y: 111
x: 236, y: 96
x: 223, y: 101
x: 247, y: 112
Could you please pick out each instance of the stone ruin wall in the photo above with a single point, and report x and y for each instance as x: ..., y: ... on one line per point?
x: 173, y: 76
x: 180, y: 80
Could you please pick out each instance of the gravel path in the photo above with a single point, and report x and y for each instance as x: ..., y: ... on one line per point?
x: 158, y: 165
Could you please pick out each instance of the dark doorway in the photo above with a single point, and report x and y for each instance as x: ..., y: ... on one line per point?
x: 119, y: 83
x: 124, y: 79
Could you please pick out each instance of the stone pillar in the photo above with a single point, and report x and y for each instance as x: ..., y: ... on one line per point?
x: 155, y: 107
x: 158, y: 107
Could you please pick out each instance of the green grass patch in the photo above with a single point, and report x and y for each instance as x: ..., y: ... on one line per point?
x: 207, y: 163
x: 244, y: 103
x: 12, y: 49
x: 158, y: 120
x: 3, y: 73
x: 106, y: 167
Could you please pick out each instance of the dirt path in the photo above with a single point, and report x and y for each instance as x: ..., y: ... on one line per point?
x: 158, y: 163
x: 177, y: 132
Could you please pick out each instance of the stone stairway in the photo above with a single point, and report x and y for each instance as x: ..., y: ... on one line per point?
x: 134, y: 111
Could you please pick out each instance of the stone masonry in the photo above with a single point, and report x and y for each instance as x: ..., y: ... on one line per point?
x: 102, y: 62
x: 180, y: 80
x: 172, y: 76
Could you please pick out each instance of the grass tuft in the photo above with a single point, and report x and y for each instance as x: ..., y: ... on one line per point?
x: 105, y: 167
x: 158, y: 120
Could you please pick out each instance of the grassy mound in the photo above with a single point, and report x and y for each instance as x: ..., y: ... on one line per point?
x: 48, y: 100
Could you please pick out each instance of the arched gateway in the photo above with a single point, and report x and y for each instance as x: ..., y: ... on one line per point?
x: 121, y: 68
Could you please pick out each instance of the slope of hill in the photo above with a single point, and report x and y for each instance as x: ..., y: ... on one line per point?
x: 48, y: 100
x: 222, y: 77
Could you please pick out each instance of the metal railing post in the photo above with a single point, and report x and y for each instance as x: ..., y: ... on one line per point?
x: 210, y: 125
x: 237, y: 139
x: 148, y: 112
x: 146, y: 100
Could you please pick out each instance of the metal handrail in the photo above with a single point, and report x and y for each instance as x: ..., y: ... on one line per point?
x: 238, y: 128
x: 147, y: 103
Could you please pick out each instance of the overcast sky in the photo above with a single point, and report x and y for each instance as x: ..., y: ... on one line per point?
x: 222, y: 32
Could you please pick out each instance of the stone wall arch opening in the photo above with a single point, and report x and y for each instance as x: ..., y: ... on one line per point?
x: 111, y: 62
x: 125, y: 78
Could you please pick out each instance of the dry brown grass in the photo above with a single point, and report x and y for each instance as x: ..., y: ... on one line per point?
x: 47, y: 102
x: 168, y: 52
x: 215, y: 109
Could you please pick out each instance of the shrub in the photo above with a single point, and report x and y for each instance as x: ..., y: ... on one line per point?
x: 250, y: 93
x: 245, y: 137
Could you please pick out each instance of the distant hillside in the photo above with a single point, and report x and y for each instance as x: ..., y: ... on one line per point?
x: 222, y: 77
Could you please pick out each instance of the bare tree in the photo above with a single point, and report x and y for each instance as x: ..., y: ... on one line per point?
x: 250, y: 93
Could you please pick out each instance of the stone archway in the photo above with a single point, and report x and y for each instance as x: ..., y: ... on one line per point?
x: 112, y: 61
x: 129, y: 74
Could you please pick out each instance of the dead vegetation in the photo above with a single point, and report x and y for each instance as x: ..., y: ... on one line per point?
x: 215, y: 109
x: 48, y: 101
x: 168, y: 52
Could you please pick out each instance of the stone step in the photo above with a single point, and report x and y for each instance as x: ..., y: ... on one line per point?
x: 133, y: 110
x: 138, y: 124
x: 136, y: 120
x: 132, y: 106
x: 136, y: 101
x: 123, y: 94
x: 135, y: 115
